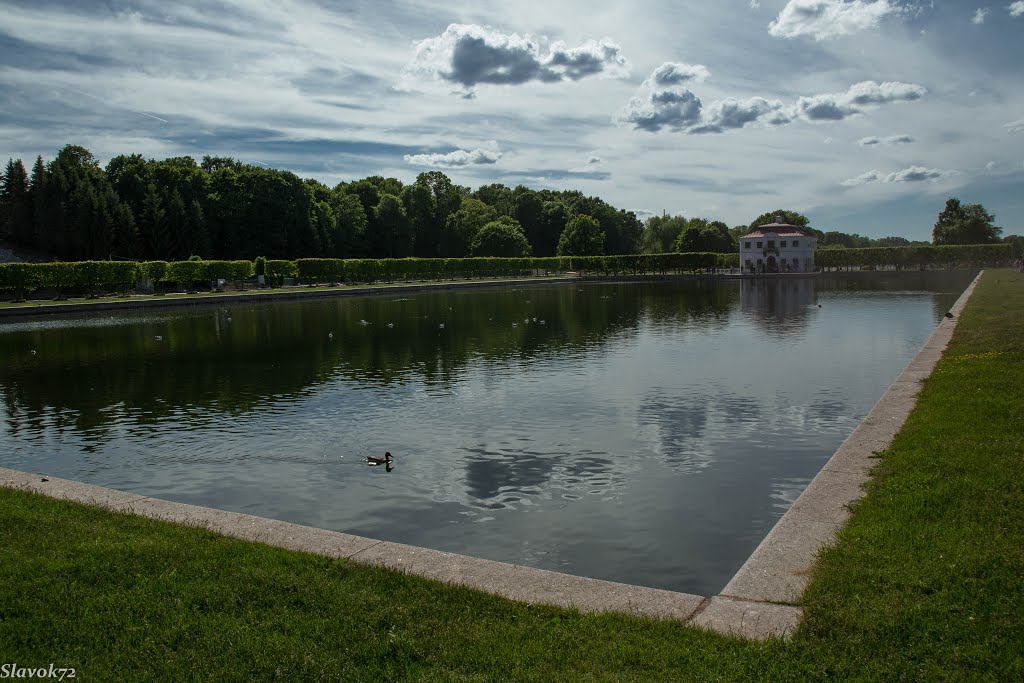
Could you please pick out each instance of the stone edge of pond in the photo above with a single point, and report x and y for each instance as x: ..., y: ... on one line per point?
x: 774, y: 577
x: 263, y: 296
x: 524, y: 584
x: 300, y: 293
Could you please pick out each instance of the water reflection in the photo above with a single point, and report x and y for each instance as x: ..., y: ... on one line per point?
x: 647, y: 433
x: 779, y: 304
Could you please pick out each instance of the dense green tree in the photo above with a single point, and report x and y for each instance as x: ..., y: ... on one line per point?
x: 393, y: 236
x: 501, y: 237
x: 553, y: 220
x: 429, y: 202
x: 528, y: 210
x: 41, y: 211
x: 348, y: 236
x: 660, y: 234
x: 214, y: 164
x: 890, y: 242
x: 16, y: 203
x: 582, y: 237
x: 1018, y: 244
x: 965, y: 224
x: 790, y: 217
x: 622, y: 229
x: 126, y: 244
x: 701, y: 234
x: 497, y: 195
x: 842, y: 239
x: 130, y: 176
x: 79, y: 205
x: 463, y: 225
x: 154, y: 230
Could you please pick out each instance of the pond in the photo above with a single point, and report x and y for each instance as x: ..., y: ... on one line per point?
x: 649, y: 433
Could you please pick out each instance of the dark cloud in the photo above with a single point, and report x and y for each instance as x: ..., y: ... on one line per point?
x: 674, y: 109
x: 468, y: 55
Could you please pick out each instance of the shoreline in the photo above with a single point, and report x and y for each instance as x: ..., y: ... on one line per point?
x: 30, y: 309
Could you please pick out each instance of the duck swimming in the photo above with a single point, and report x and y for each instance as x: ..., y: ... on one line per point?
x: 377, y: 460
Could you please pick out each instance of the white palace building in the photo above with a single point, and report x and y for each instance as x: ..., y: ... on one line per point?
x: 777, y: 248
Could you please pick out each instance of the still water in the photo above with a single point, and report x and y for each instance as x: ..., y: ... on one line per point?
x: 645, y: 433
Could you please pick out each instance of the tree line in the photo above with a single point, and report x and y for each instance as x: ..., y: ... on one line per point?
x: 222, y: 209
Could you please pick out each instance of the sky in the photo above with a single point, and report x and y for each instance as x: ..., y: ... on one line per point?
x: 864, y: 115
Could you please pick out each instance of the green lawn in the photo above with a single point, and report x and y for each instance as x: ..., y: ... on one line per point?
x: 925, y: 582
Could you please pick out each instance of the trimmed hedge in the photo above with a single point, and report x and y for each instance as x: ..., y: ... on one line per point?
x: 952, y: 255
x: 25, y: 277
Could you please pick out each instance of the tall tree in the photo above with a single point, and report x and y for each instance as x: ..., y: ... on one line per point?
x: 529, y: 212
x: 582, y: 237
x: 502, y: 237
x: 965, y: 224
x: 393, y: 236
x: 660, y: 233
x: 432, y: 198
x: 463, y: 225
x: 16, y: 203
x: 350, y: 224
x: 701, y: 234
x: 553, y: 220
x: 498, y: 196
x: 154, y: 232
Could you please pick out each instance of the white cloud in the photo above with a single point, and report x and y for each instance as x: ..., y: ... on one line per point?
x: 891, y: 140
x: 837, y: 106
x: 459, y: 157
x: 1015, y: 126
x: 1016, y: 8
x: 754, y: 4
x: 468, y: 55
x: 979, y: 16
x: 824, y: 19
x: 991, y: 165
x: 863, y: 178
x: 911, y: 174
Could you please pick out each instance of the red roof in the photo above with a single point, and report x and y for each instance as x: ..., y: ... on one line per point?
x: 778, y: 228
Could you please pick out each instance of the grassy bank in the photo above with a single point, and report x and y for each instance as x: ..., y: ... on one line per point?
x: 923, y: 584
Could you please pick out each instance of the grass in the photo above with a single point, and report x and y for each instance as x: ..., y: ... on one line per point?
x: 924, y: 582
